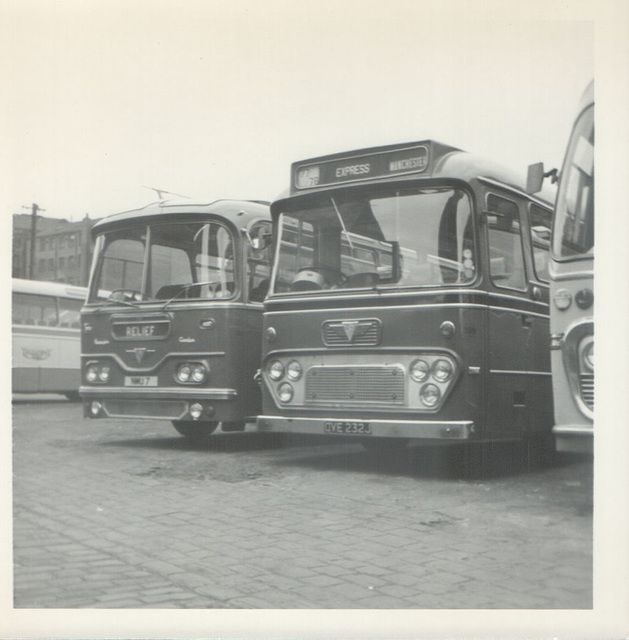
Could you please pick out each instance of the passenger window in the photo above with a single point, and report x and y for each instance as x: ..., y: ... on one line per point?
x: 69, y: 313
x: 506, y: 258
x: 259, y: 264
x: 541, y: 220
x: 34, y: 310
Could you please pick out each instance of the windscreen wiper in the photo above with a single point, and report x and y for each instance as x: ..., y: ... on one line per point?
x: 185, y: 288
x: 111, y: 301
x: 338, y: 213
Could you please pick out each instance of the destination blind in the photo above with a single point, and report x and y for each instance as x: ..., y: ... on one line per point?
x: 362, y: 167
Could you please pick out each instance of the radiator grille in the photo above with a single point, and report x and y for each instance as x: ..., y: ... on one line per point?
x: 352, y: 385
x: 587, y: 389
x: 360, y: 333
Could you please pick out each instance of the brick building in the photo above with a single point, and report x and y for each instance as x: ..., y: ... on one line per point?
x: 63, y: 249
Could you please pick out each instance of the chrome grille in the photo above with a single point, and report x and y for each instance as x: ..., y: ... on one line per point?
x: 360, y: 333
x: 587, y: 389
x: 352, y: 385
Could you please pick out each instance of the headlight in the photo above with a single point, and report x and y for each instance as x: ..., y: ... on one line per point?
x: 588, y: 355
x: 562, y: 299
x: 276, y: 370
x: 199, y: 373
x: 442, y: 370
x: 91, y: 375
x: 293, y: 370
x: 419, y: 370
x: 285, y: 392
x: 430, y: 395
x: 104, y: 374
x: 184, y: 372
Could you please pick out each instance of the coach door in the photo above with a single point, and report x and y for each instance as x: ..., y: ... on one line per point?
x: 511, y: 327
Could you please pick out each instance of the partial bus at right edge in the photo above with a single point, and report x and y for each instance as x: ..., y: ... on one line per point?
x: 571, y: 271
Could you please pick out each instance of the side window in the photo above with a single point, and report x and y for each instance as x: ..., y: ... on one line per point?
x: 541, y: 220
x: 259, y: 263
x: 35, y: 310
x: 506, y: 259
x: 297, y: 251
x: 70, y: 313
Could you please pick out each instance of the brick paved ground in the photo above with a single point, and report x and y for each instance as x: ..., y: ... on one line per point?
x: 128, y: 514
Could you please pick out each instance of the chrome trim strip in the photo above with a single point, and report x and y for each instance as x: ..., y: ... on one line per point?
x: 94, y: 308
x: 428, y: 430
x: 377, y: 293
x: 162, y: 392
x: 505, y: 296
x: 175, y: 354
x: 520, y: 373
x: 522, y: 312
x: 396, y: 306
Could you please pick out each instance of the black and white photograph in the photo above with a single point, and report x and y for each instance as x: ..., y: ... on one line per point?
x: 302, y: 319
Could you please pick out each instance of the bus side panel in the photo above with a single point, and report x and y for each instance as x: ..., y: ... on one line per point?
x: 45, y: 360
x: 540, y: 390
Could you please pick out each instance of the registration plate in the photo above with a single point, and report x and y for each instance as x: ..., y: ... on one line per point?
x: 140, y: 381
x: 348, y: 428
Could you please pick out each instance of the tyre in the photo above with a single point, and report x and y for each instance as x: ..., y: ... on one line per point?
x: 233, y: 426
x: 540, y: 450
x: 196, y: 431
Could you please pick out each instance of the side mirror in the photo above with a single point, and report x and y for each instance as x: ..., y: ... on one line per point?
x: 535, y: 178
x: 261, y: 241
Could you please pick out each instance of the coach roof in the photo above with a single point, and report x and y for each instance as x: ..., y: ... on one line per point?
x: 239, y: 212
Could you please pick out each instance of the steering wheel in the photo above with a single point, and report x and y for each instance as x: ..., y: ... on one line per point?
x: 341, y: 278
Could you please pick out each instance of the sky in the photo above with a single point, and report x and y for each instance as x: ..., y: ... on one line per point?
x: 215, y: 99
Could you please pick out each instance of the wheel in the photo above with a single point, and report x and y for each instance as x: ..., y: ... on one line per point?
x: 197, y: 431
x: 540, y: 450
x: 385, y: 446
x: 329, y: 276
x: 233, y: 426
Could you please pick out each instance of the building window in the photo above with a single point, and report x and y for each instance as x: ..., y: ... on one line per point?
x: 42, y: 244
x: 62, y: 263
x: 51, y: 263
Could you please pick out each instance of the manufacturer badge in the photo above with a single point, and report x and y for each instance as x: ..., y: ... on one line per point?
x: 140, y: 352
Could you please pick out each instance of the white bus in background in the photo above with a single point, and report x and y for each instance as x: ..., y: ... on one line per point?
x: 46, y: 337
x: 571, y: 270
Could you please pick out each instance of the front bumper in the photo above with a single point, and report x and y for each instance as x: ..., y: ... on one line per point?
x: 419, y: 429
x: 574, y: 438
x: 159, y: 403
